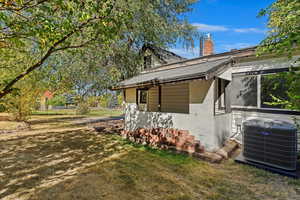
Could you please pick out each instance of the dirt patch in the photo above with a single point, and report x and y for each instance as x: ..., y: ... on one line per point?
x: 4, y: 118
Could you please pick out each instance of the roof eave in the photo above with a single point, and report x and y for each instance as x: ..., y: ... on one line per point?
x: 203, y: 75
x: 159, y: 82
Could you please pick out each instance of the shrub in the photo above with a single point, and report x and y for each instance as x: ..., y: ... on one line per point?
x: 57, y: 100
x: 20, y: 106
x: 83, y: 108
x: 2, y: 108
x: 120, y: 99
x: 21, y: 102
x: 104, y: 101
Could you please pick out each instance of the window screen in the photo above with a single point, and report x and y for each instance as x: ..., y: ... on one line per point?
x: 244, y: 91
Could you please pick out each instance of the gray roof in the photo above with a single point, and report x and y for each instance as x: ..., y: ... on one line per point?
x: 181, y: 73
x: 282, y: 62
x: 163, y: 55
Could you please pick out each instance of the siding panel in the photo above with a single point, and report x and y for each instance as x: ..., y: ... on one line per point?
x: 130, y: 95
x: 153, y: 99
x: 175, y: 98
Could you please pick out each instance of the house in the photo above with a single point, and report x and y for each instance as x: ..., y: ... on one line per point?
x: 209, y: 97
x: 155, y: 57
x: 47, y: 95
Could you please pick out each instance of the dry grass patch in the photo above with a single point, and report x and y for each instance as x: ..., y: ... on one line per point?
x: 144, y: 173
x: 9, y: 125
x: 83, y: 164
x: 32, y: 163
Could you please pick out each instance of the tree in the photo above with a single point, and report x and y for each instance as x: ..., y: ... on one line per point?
x: 35, y: 31
x: 284, y: 39
x: 23, y: 100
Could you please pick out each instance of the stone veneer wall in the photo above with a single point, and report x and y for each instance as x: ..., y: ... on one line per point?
x: 180, y: 141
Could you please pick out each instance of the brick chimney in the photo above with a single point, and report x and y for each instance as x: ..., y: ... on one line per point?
x: 208, y: 46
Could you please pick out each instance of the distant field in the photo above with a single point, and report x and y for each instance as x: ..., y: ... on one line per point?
x: 58, y: 117
x: 94, y: 112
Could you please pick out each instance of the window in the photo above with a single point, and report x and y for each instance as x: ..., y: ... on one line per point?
x: 143, y: 96
x: 221, y: 93
x: 147, y: 62
x: 142, y: 99
x: 259, y: 91
x: 244, y: 91
x: 273, y: 85
x: 222, y: 101
x: 169, y: 98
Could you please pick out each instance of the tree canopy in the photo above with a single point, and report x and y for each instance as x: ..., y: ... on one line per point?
x: 284, y: 40
x: 36, y: 34
x: 284, y: 24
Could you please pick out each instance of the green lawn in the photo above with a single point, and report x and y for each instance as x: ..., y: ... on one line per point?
x: 96, y: 112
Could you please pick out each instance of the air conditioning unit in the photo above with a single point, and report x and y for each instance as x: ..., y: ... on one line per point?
x: 270, y: 142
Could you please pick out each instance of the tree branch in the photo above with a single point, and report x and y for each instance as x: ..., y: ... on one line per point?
x: 73, y: 46
x: 8, y: 88
x: 24, y: 6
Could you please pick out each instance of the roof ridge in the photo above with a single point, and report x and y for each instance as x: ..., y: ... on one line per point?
x: 159, y: 70
x: 211, y: 56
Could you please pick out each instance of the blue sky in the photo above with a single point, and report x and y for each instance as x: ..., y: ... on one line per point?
x: 232, y: 23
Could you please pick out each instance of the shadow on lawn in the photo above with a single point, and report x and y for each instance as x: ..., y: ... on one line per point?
x: 56, y: 119
x: 33, y: 163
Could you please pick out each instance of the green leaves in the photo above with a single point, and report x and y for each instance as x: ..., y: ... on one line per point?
x: 37, y: 32
x: 284, y: 40
x: 284, y: 24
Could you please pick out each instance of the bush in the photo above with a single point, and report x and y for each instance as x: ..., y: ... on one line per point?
x: 57, y: 101
x: 2, y: 108
x: 104, y: 100
x: 21, y: 102
x: 120, y: 99
x: 82, y: 108
x: 20, y: 106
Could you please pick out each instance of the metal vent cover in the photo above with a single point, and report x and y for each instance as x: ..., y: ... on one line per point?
x: 270, y: 142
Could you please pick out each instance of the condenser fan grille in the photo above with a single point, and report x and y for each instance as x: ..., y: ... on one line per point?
x: 270, y: 142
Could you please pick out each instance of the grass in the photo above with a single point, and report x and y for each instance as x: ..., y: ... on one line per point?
x: 5, y: 124
x: 55, y: 118
x: 145, y: 173
x: 83, y: 164
x: 9, y: 125
x: 94, y: 112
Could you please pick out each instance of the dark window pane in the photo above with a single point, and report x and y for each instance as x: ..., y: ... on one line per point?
x: 147, y: 62
x: 143, y: 96
x: 244, y: 91
x: 275, y: 85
